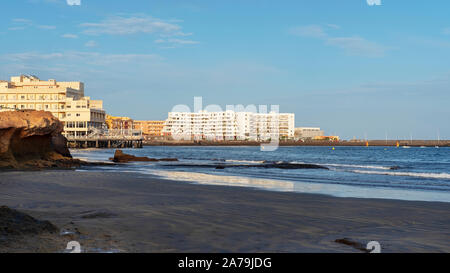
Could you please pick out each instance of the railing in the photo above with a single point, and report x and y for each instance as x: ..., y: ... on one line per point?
x: 105, y: 134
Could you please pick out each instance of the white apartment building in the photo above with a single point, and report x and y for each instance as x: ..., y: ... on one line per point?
x: 229, y: 125
x: 65, y: 100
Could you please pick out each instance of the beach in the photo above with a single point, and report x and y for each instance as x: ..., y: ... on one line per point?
x: 134, y: 212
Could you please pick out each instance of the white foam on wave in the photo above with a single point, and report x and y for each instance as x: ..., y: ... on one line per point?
x: 424, y: 175
x: 244, y: 161
x: 359, y: 166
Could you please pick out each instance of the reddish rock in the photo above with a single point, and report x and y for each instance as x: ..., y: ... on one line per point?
x: 168, y: 159
x: 32, y: 139
x: 122, y: 157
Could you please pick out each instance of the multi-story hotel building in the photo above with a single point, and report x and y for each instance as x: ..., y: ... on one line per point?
x: 229, y: 125
x: 150, y: 128
x: 65, y: 100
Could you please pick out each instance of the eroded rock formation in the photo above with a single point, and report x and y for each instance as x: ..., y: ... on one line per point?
x: 32, y: 139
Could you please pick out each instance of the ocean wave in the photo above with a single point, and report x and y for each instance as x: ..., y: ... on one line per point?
x: 424, y: 175
x: 245, y: 161
x: 361, y: 166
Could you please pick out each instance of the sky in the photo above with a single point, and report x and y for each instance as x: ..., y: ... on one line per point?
x: 355, y: 68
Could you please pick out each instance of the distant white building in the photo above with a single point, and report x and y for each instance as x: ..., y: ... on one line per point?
x: 229, y: 125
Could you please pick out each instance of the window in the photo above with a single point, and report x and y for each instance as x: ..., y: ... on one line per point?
x: 78, y: 115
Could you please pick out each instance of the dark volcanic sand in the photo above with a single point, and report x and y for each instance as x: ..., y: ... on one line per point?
x: 136, y: 213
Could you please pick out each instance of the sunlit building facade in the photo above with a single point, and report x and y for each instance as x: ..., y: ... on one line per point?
x: 229, y: 125
x: 65, y: 100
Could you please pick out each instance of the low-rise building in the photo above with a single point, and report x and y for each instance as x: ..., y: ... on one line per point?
x: 150, y: 128
x: 327, y: 138
x: 119, y: 123
x: 308, y: 133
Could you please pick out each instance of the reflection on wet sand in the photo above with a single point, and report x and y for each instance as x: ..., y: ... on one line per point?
x: 209, y: 179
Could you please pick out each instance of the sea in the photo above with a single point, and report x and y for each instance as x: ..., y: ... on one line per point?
x: 403, y: 173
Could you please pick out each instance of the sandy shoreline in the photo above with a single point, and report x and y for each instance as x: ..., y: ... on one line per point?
x: 128, y: 212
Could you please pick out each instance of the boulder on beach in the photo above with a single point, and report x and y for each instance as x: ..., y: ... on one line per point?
x: 15, y: 223
x: 122, y: 157
x: 32, y: 139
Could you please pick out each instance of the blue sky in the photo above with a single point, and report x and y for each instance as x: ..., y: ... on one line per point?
x: 348, y: 67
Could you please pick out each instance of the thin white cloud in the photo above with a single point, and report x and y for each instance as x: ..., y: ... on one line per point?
x: 183, y: 42
x: 120, y: 25
x: 333, y: 26
x: 91, y: 44
x: 22, y: 23
x: 69, y: 36
x: 358, y: 46
x: 46, y: 27
x: 313, y: 31
x: 353, y: 45
x: 94, y: 58
x: 16, y: 28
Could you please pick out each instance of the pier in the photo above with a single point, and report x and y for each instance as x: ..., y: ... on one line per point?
x: 107, y: 139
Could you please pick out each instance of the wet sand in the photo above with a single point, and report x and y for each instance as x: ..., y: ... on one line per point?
x: 128, y: 212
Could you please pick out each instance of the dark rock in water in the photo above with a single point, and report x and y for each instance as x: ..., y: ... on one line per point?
x: 13, y: 222
x: 394, y: 168
x: 291, y: 166
x: 122, y: 157
x: 168, y: 159
x: 271, y: 165
x: 352, y: 243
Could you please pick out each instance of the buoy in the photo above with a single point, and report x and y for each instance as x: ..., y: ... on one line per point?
x: 333, y: 149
